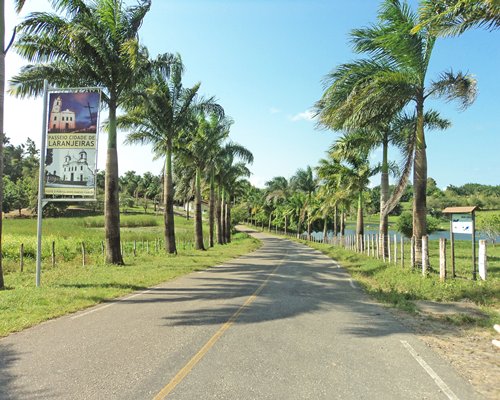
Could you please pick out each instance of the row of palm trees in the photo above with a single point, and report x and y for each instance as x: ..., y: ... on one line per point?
x: 380, y: 100
x: 96, y: 43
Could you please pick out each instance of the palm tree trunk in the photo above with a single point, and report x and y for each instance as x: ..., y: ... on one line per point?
x: 419, y: 183
x: 335, y: 221
x: 211, y: 211
x: 325, y: 231
x: 359, y: 222
x: 198, y: 228
x: 2, y: 89
x: 111, y: 196
x: 384, y: 195
x: 228, y: 222
x: 223, y: 217
x: 342, y: 223
x: 168, y: 213
x: 218, y: 217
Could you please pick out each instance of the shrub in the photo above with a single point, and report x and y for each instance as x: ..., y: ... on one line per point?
x: 404, y: 224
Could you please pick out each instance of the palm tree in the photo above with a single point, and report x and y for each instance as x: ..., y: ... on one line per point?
x: 229, y: 179
x: 396, y: 131
x: 354, y: 172
x: 278, y: 191
x: 96, y: 44
x: 304, y: 181
x: 160, y: 113
x: 3, y: 51
x: 453, y: 17
x: 368, y: 91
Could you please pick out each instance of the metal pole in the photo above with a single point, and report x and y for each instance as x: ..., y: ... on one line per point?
x: 41, y: 185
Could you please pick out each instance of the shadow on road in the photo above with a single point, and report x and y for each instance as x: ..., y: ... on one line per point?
x: 9, y: 381
x: 305, y: 282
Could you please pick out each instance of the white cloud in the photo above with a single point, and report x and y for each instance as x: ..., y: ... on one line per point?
x: 307, y: 115
x: 274, y: 110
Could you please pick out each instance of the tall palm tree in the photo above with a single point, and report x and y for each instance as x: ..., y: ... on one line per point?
x: 304, y: 181
x: 160, y: 112
x: 95, y: 44
x: 355, y: 172
x: 230, y: 176
x: 396, y: 132
x: 393, y: 76
x: 278, y: 191
x: 453, y: 17
x: 3, y: 51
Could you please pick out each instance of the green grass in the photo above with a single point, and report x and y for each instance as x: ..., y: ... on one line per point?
x: 69, y: 286
x: 400, y: 287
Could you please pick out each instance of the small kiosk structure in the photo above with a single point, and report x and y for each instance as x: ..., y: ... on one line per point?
x: 462, y: 221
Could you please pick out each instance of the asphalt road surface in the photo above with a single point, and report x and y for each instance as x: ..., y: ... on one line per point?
x: 284, y: 322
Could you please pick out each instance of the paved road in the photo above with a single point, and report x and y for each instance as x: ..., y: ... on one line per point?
x: 284, y: 322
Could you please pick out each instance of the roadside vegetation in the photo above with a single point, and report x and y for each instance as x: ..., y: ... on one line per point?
x: 400, y: 287
x: 68, y: 286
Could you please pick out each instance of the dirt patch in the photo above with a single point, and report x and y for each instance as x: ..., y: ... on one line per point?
x: 467, y: 348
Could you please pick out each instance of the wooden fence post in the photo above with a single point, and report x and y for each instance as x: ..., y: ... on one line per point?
x: 21, y: 257
x: 147, y: 246
x: 389, y: 248
x: 482, y: 260
x: 135, y: 248
x: 425, y: 254
x: 442, y: 259
x: 412, y: 252
x: 83, y: 254
x: 402, y: 252
x: 395, y: 249
x: 53, y: 253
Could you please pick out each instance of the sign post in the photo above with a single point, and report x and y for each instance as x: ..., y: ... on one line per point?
x: 462, y: 221
x: 68, y: 158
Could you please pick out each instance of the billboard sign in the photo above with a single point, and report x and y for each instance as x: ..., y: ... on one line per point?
x: 462, y: 223
x: 71, y: 157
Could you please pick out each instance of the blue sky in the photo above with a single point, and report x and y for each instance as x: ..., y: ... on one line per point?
x: 264, y: 61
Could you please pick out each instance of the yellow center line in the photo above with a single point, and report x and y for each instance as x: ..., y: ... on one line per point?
x: 208, y: 345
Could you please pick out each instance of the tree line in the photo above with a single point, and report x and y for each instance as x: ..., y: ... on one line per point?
x: 96, y: 44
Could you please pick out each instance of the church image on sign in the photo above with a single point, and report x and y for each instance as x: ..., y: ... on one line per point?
x: 72, y: 169
x: 61, y: 121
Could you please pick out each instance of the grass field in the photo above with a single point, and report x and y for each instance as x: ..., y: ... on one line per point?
x: 68, y: 286
x: 400, y: 287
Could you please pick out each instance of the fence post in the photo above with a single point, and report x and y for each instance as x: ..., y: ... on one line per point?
x: 53, y: 253
x: 412, y: 252
x: 389, y: 248
x: 482, y: 260
x: 425, y: 254
x: 21, y: 257
x: 83, y: 254
x: 395, y: 249
x: 402, y: 252
x: 135, y: 248
x: 442, y: 259
x: 377, y: 245
x: 147, y: 246
x: 122, y: 249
